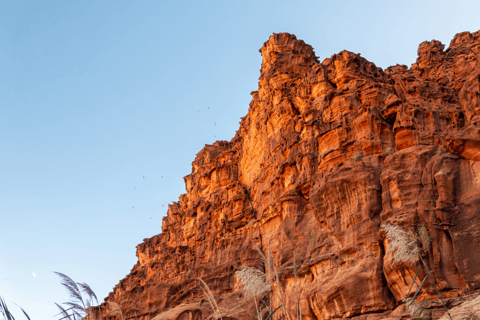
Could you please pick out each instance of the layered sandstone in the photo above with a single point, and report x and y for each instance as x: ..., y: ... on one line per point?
x: 328, y: 153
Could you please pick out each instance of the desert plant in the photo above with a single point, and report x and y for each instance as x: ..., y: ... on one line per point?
x: 404, y: 246
x: 357, y: 156
x: 254, y: 282
x: 82, y: 297
x: 81, y: 304
x: 257, y: 283
x: 64, y: 312
x: 77, y: 309
x: 210, y: 298
x: 424, y: 237
x: 7, y: 315
x: 273, y: 278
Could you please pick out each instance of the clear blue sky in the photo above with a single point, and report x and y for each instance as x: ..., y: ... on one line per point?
x: 94, y: 95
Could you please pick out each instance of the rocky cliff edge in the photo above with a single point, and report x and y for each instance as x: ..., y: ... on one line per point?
x: 328, y: 155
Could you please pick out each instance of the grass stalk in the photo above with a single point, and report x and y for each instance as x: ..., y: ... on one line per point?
x: 299, y: 311
x: 273, y: 274
x: 210, y: 298
x: 4, y: 309
x: 435, y: 286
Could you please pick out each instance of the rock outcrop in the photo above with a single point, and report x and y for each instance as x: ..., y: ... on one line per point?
x: 328, y: 154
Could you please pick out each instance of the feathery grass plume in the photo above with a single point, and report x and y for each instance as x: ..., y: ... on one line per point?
x: 4, y: 309
x: 88, y: 291
x: 26, y: 315
x: 75, y: 307
x: 80, y: 303
x: 115, y: 310
x: 273, y: 276
x: 402, y: 243
x: 403, y: 246
x: 266, y: 262
x: 254, y: 281
x: 210, y: 298
x: 64, y: 312
x: 254, y: 284
x: 73, y: 290
x: 6, y: 313
x: 424, y: 237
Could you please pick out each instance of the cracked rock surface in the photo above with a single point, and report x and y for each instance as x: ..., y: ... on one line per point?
x: 327, y: 154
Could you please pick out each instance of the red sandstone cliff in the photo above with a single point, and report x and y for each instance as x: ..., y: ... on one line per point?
x: 328, y: 153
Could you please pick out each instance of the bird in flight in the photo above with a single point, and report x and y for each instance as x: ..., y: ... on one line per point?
x: 143, y: 177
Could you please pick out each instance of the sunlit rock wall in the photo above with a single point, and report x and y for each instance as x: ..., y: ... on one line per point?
x: 328, y: 153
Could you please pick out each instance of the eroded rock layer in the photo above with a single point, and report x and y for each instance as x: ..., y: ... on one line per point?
x: 328, y: 154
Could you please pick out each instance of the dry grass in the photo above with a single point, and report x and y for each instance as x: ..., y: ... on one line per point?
x: 424, y: 237
x: 257, y: 283
x: 210, y: 299
x: 272, y: 277
x: 7, y: 315
x: 254, y: 281
x: 402, y: 243
x: 404, y: 247
x: 82, y: 297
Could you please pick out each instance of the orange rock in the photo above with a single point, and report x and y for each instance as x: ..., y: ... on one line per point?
x: 327, y: 155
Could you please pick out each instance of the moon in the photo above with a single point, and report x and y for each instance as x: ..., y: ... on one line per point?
x: 34, y: 274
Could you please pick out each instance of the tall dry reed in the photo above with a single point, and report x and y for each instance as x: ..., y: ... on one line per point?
x: 211, y: 299
x: 404, y: 246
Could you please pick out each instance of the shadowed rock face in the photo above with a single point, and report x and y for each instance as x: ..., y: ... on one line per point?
x: 327, y: 154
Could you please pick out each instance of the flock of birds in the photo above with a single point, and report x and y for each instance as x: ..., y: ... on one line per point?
x: 143, y: 177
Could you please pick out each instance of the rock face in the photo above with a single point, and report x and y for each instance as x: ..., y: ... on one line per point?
x: 329, y: 153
